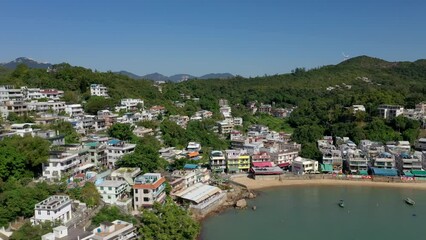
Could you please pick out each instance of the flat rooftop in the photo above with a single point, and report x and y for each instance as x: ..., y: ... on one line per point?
x: 53, y: 202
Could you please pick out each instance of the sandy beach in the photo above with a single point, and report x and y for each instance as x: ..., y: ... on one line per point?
x: 252, y: 184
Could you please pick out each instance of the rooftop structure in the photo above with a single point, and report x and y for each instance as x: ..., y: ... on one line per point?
x: 54, y: 208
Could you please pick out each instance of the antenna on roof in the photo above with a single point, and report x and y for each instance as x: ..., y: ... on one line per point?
x: 345, y: 57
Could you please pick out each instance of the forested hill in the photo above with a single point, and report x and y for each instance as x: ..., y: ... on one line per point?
x: 75, y: 81
x: 372, y: 81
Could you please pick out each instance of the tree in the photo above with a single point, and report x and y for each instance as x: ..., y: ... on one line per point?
x: 109, y: 214
x: 121, y: 131
x: 96, y: 103
x: 87, y: 194
x: 22, y: 156
x: 168, y: 222
x: 29, y: 231
x: 66, y: 129
x: 145, y: 156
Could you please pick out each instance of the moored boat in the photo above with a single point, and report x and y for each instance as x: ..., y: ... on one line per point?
x: 341, y: 204
x: 409, y: 201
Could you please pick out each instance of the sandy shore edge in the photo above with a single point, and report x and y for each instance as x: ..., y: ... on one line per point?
x: 252, y: 184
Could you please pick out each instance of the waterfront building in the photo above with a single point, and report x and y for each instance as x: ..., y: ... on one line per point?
x: 237, y: 161
x: 406, y: 162
x: 304, y: 166
x: 217, y: 161
x: 357, y: 160
x: 384, y: 160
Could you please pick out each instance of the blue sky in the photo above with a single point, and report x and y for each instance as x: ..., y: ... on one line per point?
x: 245, y: 37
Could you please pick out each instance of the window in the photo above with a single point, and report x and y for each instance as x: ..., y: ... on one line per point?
x: 109, y: 197
x: 145, y: 191
x: 136, y: 199
x: 48, y: 212
x: 109, y: 188
x: 145, y: 199
x: 39, y: 212
x: 102, y: 188
x: 136, y: 191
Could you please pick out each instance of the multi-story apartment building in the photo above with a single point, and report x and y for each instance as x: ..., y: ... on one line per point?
x: 406, y: 162
x: 285, y: 156
x: 148, y: 189
x: 237, y: 161
x: 31, y: 93
x: 74, y: 110
x: 52, y: 94
x: 97, y: 152
x: 384, y: 160
x: 225, y: 126
x: 70, y: 159
x: 334, y: 158
x: 131, y: 104
x: 390, y: 111
x: 357, y: 160
x: 45, y: 107
x: 112, y: 191
x: 116, y: 149
x: 261, y: 157
x: 98, y: 90
x: 303, y: 166
x: 54, y: 208
x: 217, y: 161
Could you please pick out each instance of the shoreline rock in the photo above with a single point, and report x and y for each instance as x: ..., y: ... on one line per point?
x: 241, y: 204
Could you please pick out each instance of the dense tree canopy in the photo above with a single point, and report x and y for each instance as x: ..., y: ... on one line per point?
x: 121, y: 131
x: 22, y: 156
x: 109, y: 214
x: 168, y: 222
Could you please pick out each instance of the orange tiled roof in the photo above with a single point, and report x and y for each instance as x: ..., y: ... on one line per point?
x: 150, y: 185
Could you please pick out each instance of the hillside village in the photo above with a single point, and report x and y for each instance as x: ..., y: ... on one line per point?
x: 130, y: 158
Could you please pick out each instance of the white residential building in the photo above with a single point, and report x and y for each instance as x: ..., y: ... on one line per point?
x: 98, y: 90
x: 112, y: 191
x: 384, y: 160
x: 116, y: 149
x: 71, y: 159
x: 406, y: 162
x: 74, y: 110
x: 44, y: 107
x: 131, y: 104
x: 193, y: 147
x: 52, y: 94
x: 390, y: 111
x: 358, y: 108
x: 54, y: 208
x: 217, y: 161
x: 357, y: 160
x: 304, y: 166
x: 148, y: 188
x: 225, y: 127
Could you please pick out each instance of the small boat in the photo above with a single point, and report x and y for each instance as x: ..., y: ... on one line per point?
x: 409, y: 201
x: 341, y: 204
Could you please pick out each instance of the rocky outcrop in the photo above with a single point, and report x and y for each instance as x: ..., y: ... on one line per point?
x: 240, y: 204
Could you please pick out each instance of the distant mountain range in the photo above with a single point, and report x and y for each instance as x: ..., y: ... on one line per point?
x: 176, y: 77
x: 27, y: 61
x: 153, y: 76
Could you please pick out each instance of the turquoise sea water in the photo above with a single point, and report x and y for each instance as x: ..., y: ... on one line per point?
x: 312, y: 212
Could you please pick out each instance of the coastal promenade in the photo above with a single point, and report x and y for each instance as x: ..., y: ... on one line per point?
x: 328, y: 179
